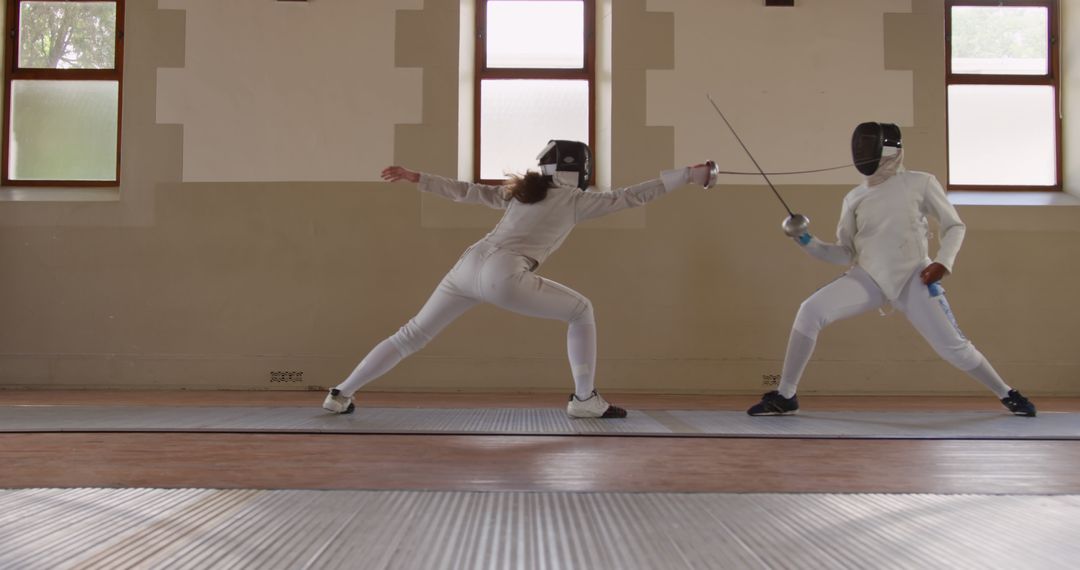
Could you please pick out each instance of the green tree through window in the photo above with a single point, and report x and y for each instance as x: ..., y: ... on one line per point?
x: 55, y: 35
x: 1015, y: 33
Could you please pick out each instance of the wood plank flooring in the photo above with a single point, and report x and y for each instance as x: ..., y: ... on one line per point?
x: 522, y: 463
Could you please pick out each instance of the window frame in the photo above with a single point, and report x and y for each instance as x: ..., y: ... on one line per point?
x: 585, y: 73
x: 12, y: 73
x: 1051, y: 78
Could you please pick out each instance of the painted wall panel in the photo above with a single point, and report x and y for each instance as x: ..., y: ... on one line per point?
x: 793, y: 82
x: 281, y: 91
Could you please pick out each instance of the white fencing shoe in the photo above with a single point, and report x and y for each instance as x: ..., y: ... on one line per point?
x: 337, y: 403
x: 594, y: 406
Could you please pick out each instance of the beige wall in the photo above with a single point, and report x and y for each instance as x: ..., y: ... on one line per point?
x: 279, y: 91
x: 793, y: 81
x: 217, y: 264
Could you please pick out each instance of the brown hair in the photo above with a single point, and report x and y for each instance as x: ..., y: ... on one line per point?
x: 528, y: 188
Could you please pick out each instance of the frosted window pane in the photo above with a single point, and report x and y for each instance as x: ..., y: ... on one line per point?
x: 536, y: 34
x: 63, y: 130
x: 1002, y: 135
x: 67, y: 35
x: 519, y: 117
x: 1000, y: 40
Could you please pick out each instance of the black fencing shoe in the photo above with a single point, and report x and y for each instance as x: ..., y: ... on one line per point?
x: 595, y: 406
x: 338, y: 403
x: 773, y: 404
x: 1018, y: 404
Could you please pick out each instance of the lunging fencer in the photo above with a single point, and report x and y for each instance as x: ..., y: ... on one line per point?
x: 882, y: 236
x: 541, y: 208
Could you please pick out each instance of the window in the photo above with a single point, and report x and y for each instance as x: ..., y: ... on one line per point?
x: 535, y: 81
x: 63, y: 63
x: 1004, y: 121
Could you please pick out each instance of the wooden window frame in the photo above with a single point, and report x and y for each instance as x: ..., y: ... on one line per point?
x: 585, y: 73
x: 1051, y: 78
x: 12, y: 72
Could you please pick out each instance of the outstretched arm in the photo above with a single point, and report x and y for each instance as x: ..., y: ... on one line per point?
x: 596, y: 204
x: 492, y: 196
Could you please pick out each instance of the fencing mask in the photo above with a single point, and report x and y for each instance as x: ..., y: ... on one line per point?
x: 566, y: 163
x: 870, y: 142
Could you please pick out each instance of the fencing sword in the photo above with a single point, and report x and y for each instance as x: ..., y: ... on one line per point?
x: 790, y: 172
x: 794, y: 225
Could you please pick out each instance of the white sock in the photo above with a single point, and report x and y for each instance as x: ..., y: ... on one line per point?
x: 378, y: 362
x: 581, y: 349
x: 989, y: 377
x: 799, y: 349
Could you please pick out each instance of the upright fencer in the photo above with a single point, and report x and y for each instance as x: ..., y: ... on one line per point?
x: 882, y: 236
x: 541, y: 208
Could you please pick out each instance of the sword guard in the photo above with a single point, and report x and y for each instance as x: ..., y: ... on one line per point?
x: 714, y: 173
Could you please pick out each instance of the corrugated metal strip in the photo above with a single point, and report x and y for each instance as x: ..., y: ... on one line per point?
x: 195, y: 528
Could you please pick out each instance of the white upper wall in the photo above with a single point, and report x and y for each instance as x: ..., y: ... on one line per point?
x: 288, y: 91
x: 794, y: 82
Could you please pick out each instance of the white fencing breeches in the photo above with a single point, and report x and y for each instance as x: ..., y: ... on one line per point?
x: 487, y: 274
x: 854, y: 293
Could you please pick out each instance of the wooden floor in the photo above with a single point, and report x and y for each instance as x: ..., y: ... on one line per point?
x: 532, y: 463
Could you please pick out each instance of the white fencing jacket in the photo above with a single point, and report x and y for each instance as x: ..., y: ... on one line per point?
x: 884, y: 230
x: 538, y: 229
